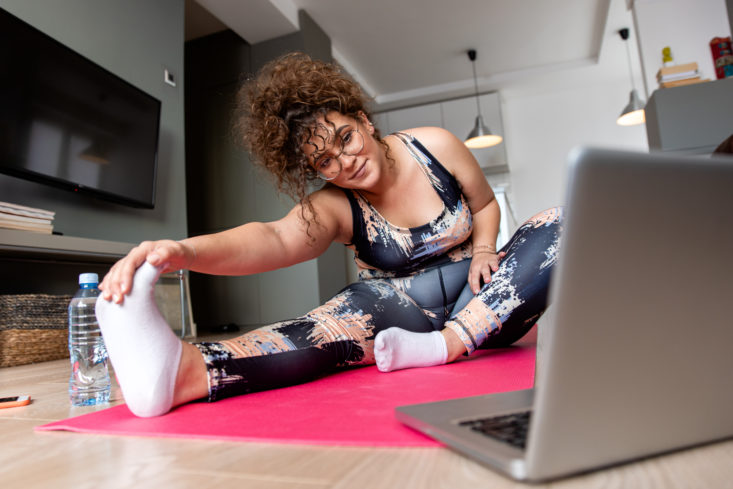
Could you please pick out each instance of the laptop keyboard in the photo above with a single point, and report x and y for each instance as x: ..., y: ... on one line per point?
x: 509, y: 428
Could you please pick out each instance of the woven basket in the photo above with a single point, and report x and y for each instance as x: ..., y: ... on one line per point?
x: 33, y: 328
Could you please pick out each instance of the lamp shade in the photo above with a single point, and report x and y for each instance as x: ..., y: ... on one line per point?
x: 480, y: 136
x: 633, y: 113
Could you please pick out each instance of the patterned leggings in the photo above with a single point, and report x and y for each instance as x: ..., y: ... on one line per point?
x: 341, y: 332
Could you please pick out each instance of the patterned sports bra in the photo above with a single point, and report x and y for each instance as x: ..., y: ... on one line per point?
x: 385, y: 250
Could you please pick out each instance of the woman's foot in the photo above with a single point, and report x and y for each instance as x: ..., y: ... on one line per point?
x: 396, y: 348
x: 143, y: 349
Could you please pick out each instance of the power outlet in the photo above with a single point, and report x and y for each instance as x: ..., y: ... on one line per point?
x: 169, y: 78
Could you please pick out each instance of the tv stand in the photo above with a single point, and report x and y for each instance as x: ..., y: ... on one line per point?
x: 51, y: 247
x: 37, y: 263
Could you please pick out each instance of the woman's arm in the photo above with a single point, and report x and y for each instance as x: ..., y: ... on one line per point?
x: 251, y: 248
x: 459, y: 160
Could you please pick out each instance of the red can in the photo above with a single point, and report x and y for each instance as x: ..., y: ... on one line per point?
x: 720, y: 47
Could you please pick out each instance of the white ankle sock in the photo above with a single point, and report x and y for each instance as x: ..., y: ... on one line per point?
x: 143, y: 349
x: 396, y: 348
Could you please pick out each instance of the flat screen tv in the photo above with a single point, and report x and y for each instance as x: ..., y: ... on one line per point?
x: 66, y: 121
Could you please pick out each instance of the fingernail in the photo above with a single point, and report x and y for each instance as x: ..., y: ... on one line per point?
x: 117, y: 298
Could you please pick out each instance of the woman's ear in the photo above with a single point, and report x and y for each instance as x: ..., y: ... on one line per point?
x: 367, y: 123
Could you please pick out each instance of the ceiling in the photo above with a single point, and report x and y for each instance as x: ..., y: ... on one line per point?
x: 413, y: 51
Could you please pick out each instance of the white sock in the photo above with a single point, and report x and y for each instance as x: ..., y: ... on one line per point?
x: 396, y: 348
x: 143, y: 349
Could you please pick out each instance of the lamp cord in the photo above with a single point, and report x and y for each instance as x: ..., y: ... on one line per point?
x: 475, y: 86
x: 628, y: 60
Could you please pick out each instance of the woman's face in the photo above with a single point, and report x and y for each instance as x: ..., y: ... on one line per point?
x: 343, y: 150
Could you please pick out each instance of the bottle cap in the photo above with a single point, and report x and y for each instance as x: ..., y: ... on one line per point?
x: 88, y: 278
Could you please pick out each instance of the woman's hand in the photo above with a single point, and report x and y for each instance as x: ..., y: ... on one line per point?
x: 175, y: 255
x: 483, y: 264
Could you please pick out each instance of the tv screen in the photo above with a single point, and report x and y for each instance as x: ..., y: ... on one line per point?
x: 68, y: 122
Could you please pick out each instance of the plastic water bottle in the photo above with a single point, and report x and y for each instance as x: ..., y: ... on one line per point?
x: 89, y: 383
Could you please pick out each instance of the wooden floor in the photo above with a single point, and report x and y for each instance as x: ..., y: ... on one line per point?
x: 68, y: 460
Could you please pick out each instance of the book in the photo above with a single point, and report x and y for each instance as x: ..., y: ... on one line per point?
x: 679, y: 83
x: 15, y: 216
x: 23, y: 226
x: 21, y: 210
x: 677, y: 69
x: 24, y: 219
x: 679, y: 76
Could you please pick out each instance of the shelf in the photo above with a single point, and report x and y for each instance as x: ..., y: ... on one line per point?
x: 20, y: 247
x: 26, y: 244
x: 691, y: 118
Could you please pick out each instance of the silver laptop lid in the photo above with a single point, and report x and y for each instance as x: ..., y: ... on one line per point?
x: 638, y: 357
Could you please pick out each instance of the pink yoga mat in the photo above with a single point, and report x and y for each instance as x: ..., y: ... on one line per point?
x: 351, y: 408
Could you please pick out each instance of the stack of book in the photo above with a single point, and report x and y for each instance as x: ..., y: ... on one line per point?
x: 14, y: 216
x: 678, y: 75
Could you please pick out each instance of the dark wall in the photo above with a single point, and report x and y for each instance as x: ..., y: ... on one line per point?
x: 226, y: 190
x: 136, y: 40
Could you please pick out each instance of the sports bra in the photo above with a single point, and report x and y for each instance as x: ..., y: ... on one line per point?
x: 385, y: 250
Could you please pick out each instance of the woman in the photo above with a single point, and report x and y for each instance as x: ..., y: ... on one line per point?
x: 415, y: 208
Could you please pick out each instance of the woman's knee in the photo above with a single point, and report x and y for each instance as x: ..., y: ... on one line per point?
x: 540, y: 233
x: 553, y: 215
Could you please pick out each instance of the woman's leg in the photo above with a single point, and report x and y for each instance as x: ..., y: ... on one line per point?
x: 337, y: 334
x: 507, y: 307
x: 158, y: 371
x: 504, y: 310
x: 437, y: 290
x: 192, y: 381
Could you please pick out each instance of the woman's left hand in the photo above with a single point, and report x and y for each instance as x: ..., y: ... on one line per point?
x: 482, y: 266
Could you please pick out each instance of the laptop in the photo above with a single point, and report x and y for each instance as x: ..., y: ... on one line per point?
x: 636, y: 356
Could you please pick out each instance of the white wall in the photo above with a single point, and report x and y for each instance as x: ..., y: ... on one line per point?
x: 546, y: 117
x: 687, y: 26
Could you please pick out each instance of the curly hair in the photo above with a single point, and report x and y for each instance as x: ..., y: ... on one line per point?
x: 280, y: 109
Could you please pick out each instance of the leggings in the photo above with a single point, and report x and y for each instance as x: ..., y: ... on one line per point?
x: 341, y: 332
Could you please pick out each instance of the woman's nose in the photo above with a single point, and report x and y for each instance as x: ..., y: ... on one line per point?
x: 346, y: 159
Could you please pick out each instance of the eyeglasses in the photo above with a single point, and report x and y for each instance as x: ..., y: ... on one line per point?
x: 350, y: 143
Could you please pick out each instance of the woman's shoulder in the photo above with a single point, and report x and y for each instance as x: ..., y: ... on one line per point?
x: 331, y: 200
x: 441, y: 143
x: 329, y: 192
x: 331, y: 204
x: 429, y: 135
x: 436, y: 139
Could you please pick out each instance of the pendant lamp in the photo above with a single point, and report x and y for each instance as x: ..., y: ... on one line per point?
x: 633, y: 113
x: 480, y: 136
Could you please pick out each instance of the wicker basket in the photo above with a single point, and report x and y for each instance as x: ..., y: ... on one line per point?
x: 33, y: 328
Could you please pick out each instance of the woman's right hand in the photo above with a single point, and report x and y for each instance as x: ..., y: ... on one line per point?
x: 173, y: 255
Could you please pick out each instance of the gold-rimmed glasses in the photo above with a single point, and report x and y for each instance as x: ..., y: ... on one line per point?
x: 350, y: 143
